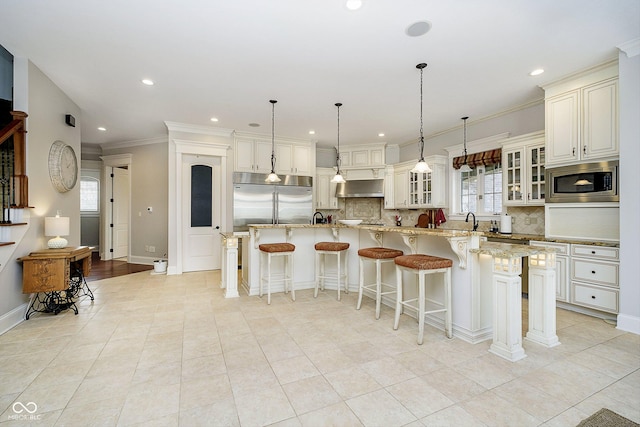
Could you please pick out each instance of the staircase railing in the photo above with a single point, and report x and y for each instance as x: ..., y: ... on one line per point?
x: 14, y: 188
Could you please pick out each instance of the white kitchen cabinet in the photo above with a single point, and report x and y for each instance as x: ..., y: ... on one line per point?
x: 401, y: 188
x: 362, y: 156
x: 523, y: 167
x: 389, y: 199
x: 581, y: 117
x: 325, y: 189
x: 252, y: 156
x: 562, y: 267
x: 428, y: 190
x: 595, y: 277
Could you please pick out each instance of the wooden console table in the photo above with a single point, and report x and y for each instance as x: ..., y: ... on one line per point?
x: 58, y: 274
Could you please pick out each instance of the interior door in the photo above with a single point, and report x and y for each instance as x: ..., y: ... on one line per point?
x: 201, y: 213
x: 120, y: 214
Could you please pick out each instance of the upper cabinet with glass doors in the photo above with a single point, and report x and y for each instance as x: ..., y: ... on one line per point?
x: 427, y: 190
x: 523, y: 160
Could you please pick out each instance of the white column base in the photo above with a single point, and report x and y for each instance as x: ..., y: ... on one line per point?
x: 229, y: 267
x: 542, y: 300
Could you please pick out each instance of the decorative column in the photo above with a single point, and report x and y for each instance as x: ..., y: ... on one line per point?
x: 229, y: 266
x: 542, y: 299
x: 507, y: 308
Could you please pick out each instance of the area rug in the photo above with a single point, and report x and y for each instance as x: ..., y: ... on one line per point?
x: 607, y: 418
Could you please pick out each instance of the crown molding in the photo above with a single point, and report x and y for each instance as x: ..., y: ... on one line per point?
x: 135, y: 143
x: 199, y: 129
x: 631, y: 48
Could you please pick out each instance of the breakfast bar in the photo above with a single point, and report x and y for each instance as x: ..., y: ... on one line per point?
x: 486, y: 287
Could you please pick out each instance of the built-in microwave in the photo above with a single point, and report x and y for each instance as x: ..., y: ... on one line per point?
x: 586, y: 182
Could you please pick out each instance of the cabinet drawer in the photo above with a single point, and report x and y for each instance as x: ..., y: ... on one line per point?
x: 600, y: 252
x: 605, y: 299
x: 598, y: 272
x: 561, y: 248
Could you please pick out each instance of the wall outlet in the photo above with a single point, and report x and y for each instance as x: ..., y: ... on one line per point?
x: 146, y: 248
x: 152, y: 248
x: 527, y: 221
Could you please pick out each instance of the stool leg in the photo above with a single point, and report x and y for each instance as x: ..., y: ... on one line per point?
x: 315, y: 292
x: 421, y: 295
x: 378, y: 287
x: 447, y: 300
x: 289, y: 260
x: 262, y: 261
x: 361, y: 284
x: 398, y: 297
x: 346, y: 273
x: 339, y: 275
x: 269, y: 280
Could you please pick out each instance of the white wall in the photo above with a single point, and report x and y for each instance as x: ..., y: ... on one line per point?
x: 629, y: 69
x: 46, y: 105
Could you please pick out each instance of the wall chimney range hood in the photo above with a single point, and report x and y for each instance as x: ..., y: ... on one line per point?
x: 361, y: 188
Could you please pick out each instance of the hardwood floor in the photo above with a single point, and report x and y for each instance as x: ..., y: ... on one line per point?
x: 113, y: 268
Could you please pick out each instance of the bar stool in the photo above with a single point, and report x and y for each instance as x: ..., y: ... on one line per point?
x: 379, y: 256
x: 422, y: 265
x: 331, y: 248
x: 268, y: 251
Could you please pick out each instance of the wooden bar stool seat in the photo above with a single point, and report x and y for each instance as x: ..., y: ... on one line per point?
x: 422, y: 265
x: 378, y: 255
x: 337, y: 249
x: 267, y: 252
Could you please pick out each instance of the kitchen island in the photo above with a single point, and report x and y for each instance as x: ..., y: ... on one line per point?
x: 473, y: 273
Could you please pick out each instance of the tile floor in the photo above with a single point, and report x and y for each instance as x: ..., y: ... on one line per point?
x: 171, y: 351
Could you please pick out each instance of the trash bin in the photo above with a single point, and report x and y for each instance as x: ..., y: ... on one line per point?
x: 160, y: 266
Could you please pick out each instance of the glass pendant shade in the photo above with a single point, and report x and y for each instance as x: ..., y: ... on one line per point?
x: 273, y: 177
x: 421, y: 166
x: 338, y: 177
x: 465, y: 168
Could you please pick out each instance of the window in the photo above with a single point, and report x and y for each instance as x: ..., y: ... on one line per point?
x: 89, y: 194
x: 481, y: 190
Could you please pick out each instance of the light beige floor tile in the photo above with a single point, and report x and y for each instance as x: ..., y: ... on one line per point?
x: 144, y: 404
x: 452, y: 416
x: 352, y: 382
x: 331, y: 360
x: 619, y: 398
x: 99, y: 388
x: 289, y: 422
x: 493, y: 410
x: 104, y: 413
x: 294, y: 369
x: 204, y: 391
x: 453, y: 385
x: 380, y: 408
x: 484, y: 370
x: 264, y: 406
x: 203, y: 366
x: 532, y: 400
x: 310, y: 394
x: 387, y: 371
x: 338, y: 415
x: 221, y: 413
x: 419, y: 397
x: 251, y: 379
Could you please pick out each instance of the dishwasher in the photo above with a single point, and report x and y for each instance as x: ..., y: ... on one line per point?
x: 525, y: 260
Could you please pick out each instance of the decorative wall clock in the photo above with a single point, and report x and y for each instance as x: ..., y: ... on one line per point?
x: 63, y: 166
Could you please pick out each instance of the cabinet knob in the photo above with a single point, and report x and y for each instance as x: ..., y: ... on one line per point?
x: 593, y: 297
x: 593, y: 272
x: 593, y: 252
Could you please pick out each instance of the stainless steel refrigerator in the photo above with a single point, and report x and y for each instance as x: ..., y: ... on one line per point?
x: 256, y: 202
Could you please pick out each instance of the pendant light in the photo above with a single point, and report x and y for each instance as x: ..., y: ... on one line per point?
x: 421, y: 166
x: 338, y: 178
x: 272, y: 177
x: 465, y: 167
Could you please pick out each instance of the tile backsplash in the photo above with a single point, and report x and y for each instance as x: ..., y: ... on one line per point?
x: 526, y: 219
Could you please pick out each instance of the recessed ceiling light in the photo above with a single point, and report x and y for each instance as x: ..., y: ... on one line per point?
x: 418, y: 29
x: 214, y: 119
x: 312, y: 132
x: 536, y: 72
x: 147, y: 82
x: 354, y: 4
x: 254, y: 125
x: 381, y: 134
x: 102, y: 129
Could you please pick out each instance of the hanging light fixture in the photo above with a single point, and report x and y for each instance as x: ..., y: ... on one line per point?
x: 338, y: 178
x: 272, y: 177
x: 465, y: 167
x: 421, y: 166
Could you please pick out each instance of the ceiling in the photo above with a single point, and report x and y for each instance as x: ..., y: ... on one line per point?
x: 227, y: 59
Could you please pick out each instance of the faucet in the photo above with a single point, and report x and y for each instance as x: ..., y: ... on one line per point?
x: 475, y: 223
x: 315, y: 221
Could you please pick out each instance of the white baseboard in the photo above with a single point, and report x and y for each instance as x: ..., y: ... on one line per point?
x: 145, y: 260
x: 629, y: 323
x: 13, y: 318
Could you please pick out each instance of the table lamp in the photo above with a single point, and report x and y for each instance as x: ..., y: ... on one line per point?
x: 56, y: 226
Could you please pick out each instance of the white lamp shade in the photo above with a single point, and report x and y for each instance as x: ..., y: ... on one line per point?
x: 56, y: 226
x: 338, y: 179
x: 421, y: 167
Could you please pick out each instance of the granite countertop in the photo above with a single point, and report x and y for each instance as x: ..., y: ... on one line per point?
x: 509, y: 250
x: 444, y: 232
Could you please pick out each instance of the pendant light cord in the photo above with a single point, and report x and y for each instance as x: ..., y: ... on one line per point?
x: 338, y: 160
x: 273, y: 138
x: 421, y: 67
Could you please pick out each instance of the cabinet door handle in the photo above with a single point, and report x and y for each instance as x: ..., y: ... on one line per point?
x: 584, y: 149
x: 573, y: 151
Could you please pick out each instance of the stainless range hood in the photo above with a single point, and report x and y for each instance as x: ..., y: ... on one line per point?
x: 361, y: 188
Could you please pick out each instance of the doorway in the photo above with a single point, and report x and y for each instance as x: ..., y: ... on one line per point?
x: 201, y: 212
x: 115, y: 236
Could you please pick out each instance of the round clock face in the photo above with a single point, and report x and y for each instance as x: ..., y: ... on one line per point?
x: 63, y: 166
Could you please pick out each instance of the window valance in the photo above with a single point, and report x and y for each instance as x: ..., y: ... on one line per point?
x: 484, y: 158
